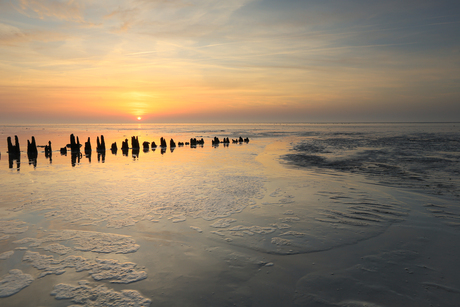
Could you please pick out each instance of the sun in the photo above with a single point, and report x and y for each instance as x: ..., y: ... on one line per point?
x: 139, y: 118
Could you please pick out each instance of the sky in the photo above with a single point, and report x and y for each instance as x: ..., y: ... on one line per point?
x: 89, y: 61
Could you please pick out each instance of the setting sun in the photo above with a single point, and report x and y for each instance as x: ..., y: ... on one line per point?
x: 139, y: 118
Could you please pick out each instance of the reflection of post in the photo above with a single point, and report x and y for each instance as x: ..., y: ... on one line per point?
x: 32, y: 160
x: 74, y: 157
x: 88, y: 155
x: 136, y: 152
x: 12, y: 158
x: 101, y: 155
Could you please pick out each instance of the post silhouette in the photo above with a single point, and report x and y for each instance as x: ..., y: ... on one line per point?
x: 88, y: 147
x: 146, y: 146
x: 215, y: 142
x: 74, y: 145
x: 48, y: 151
x: 32, y: 152
x: 163, y: 143
x: 14, y: 153
x: 32, y: 147
x: 13, y: 150
x: 114, y: 148
x: 100, y: 145
x: 136, y: 146
x: 125, y: 147
x: 135, y: 142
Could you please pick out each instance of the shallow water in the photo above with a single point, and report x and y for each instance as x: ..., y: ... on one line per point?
x: 264, y: 223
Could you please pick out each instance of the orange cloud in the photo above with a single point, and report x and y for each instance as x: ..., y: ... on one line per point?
x: 70, y: 10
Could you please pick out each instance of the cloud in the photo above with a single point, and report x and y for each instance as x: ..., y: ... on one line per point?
x: 174, y: 18
x: 10, y: 34
x: 13, y: 37
x: 62, y: 10
x: 300, y: 54
x: 127, y: 17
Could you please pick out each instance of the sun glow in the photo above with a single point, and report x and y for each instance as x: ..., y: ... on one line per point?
x: 139, y: 118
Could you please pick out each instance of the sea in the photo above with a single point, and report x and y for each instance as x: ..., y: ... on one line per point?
x: 298, y: 214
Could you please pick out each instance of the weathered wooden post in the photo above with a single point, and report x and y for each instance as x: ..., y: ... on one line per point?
x: 88, y: 147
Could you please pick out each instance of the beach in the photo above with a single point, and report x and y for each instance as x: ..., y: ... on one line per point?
x: 337, y: 214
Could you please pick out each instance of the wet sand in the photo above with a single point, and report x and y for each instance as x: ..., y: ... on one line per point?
x: 223, y: 226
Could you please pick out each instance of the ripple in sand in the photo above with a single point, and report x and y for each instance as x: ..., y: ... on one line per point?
x: 13, y: 227
x: 280, y: 241
x: 91, y: 241
x: 198, y: 229
x: 177, y: 197
x: 57, y: 248
x: 449, y: 214
x: 99, y: 296
x: 222, y: 223
x: 6, y: 255
x: 101, y: 269
x: 14, y: 282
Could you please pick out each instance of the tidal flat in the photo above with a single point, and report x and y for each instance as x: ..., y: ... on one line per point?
x: 301, y: 215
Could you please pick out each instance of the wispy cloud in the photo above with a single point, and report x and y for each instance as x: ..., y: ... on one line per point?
x: 10, y: 34
x: 70, y: 10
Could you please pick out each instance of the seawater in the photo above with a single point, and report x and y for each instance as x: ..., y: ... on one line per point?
x: 211, y: 225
